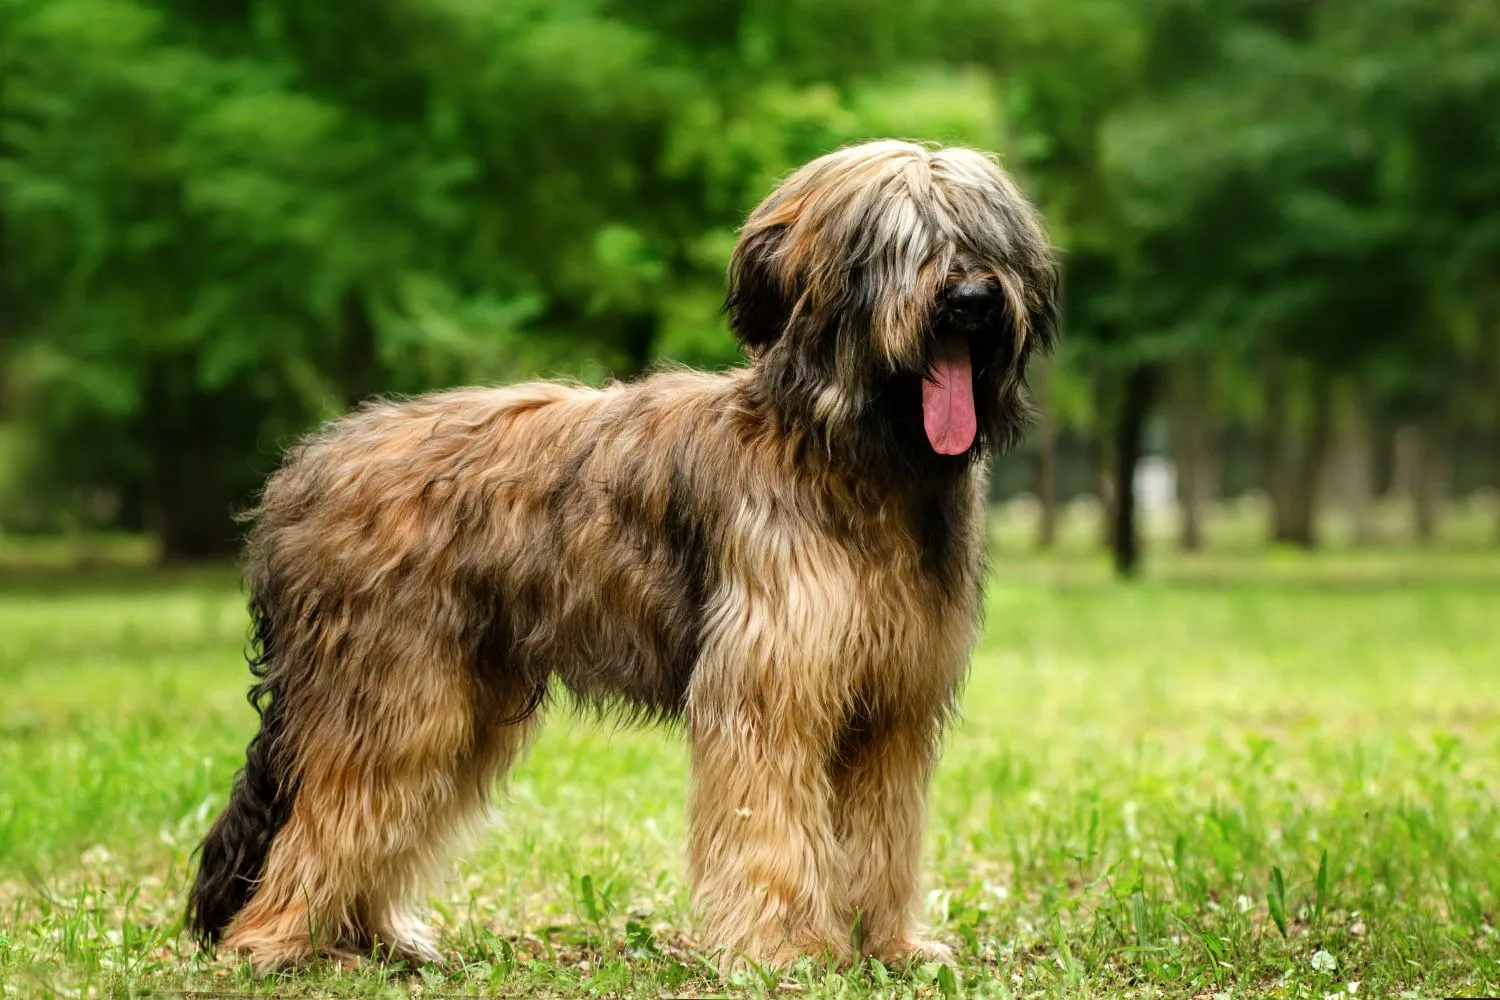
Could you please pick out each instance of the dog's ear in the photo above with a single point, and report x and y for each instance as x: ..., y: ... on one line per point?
x: 758, y: 305
x: 1046, y: 318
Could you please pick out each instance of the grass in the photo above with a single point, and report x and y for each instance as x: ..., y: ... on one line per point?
x: 1250, y: 774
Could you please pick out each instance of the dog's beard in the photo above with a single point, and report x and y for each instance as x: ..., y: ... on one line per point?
x: 948, y: 397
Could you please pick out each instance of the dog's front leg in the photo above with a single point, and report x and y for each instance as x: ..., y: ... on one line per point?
x: 767, y: 868
x: 880, y: 791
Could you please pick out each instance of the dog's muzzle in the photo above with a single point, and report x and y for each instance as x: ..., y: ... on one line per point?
x: 948, y: 390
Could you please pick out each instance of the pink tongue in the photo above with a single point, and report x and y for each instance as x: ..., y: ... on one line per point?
x: 948, y: 399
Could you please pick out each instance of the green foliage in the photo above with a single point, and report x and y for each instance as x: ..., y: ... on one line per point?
x: 221, y: 222
x: 1294, y: 186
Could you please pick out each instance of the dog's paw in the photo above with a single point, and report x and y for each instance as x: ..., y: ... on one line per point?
x: 781, y: 957
x: 913, y: 951
x: 760, y: 962
x: 345, y: 960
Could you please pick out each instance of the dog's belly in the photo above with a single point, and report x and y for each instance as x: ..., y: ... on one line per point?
x: 623, y: 642
x: 608, y: 556
x: 623, y: 620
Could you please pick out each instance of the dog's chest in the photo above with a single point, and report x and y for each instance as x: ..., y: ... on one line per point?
x: 912, y: 621
x: 864, y: 610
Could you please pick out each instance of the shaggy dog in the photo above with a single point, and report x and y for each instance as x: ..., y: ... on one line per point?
x: 787, y: 557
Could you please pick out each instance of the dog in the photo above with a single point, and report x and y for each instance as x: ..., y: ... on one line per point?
x: 786, y: 558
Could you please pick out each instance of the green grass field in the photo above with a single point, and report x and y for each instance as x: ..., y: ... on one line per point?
x: 1249, y: 774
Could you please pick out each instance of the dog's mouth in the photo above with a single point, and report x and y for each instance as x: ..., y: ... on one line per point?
x: 948, y: 397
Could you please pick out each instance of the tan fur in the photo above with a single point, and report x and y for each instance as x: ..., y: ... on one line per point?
x: 682, y: 546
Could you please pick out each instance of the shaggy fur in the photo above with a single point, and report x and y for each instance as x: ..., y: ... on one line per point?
x: 775, y: 555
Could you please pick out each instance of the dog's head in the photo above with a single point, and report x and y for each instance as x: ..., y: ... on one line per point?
x: 897, y: 288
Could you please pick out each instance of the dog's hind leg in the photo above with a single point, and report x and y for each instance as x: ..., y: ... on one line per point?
x: 505, y: 726
x: 391, y: 763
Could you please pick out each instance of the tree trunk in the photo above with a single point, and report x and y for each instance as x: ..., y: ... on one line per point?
x: 1424, y: 513
x: 1357, y: 468
x: 188, y: 503
x: 190, y: 509
x: 1431, y: 479
x: 637, y: 341
x: 1135, y: 407
x: 1046, y: 459
x: 10, y: 318
x: 1495, y: 473
x: 5, y: 320
x: 359, y: 372
x: 1487, y: 310
x: 1408, y: 469
x: 1273, y: 445
x: 1190, y: 433
x: 1302, y: 524
x: 1101, y: 454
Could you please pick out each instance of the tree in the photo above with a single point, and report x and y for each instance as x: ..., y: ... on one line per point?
x: 240, y: 218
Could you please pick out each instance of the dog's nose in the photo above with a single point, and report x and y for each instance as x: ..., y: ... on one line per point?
x: 969, y: 298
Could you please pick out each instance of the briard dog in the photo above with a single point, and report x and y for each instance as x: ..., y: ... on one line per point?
x: 787, y: 557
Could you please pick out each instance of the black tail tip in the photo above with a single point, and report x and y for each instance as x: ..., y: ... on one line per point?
x: 227, y: 868
x: 233, y: 854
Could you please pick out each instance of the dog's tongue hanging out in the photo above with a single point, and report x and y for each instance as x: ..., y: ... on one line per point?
x: 948, y: 398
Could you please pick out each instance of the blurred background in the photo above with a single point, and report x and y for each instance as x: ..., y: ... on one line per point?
x: 223, y: 221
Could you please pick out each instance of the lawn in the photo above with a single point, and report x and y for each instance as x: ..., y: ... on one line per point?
x: 1249, y: 774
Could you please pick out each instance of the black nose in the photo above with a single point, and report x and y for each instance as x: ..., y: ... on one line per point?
x: 970, y: 299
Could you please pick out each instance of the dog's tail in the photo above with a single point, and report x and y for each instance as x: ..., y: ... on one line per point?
x: 232, y: 856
